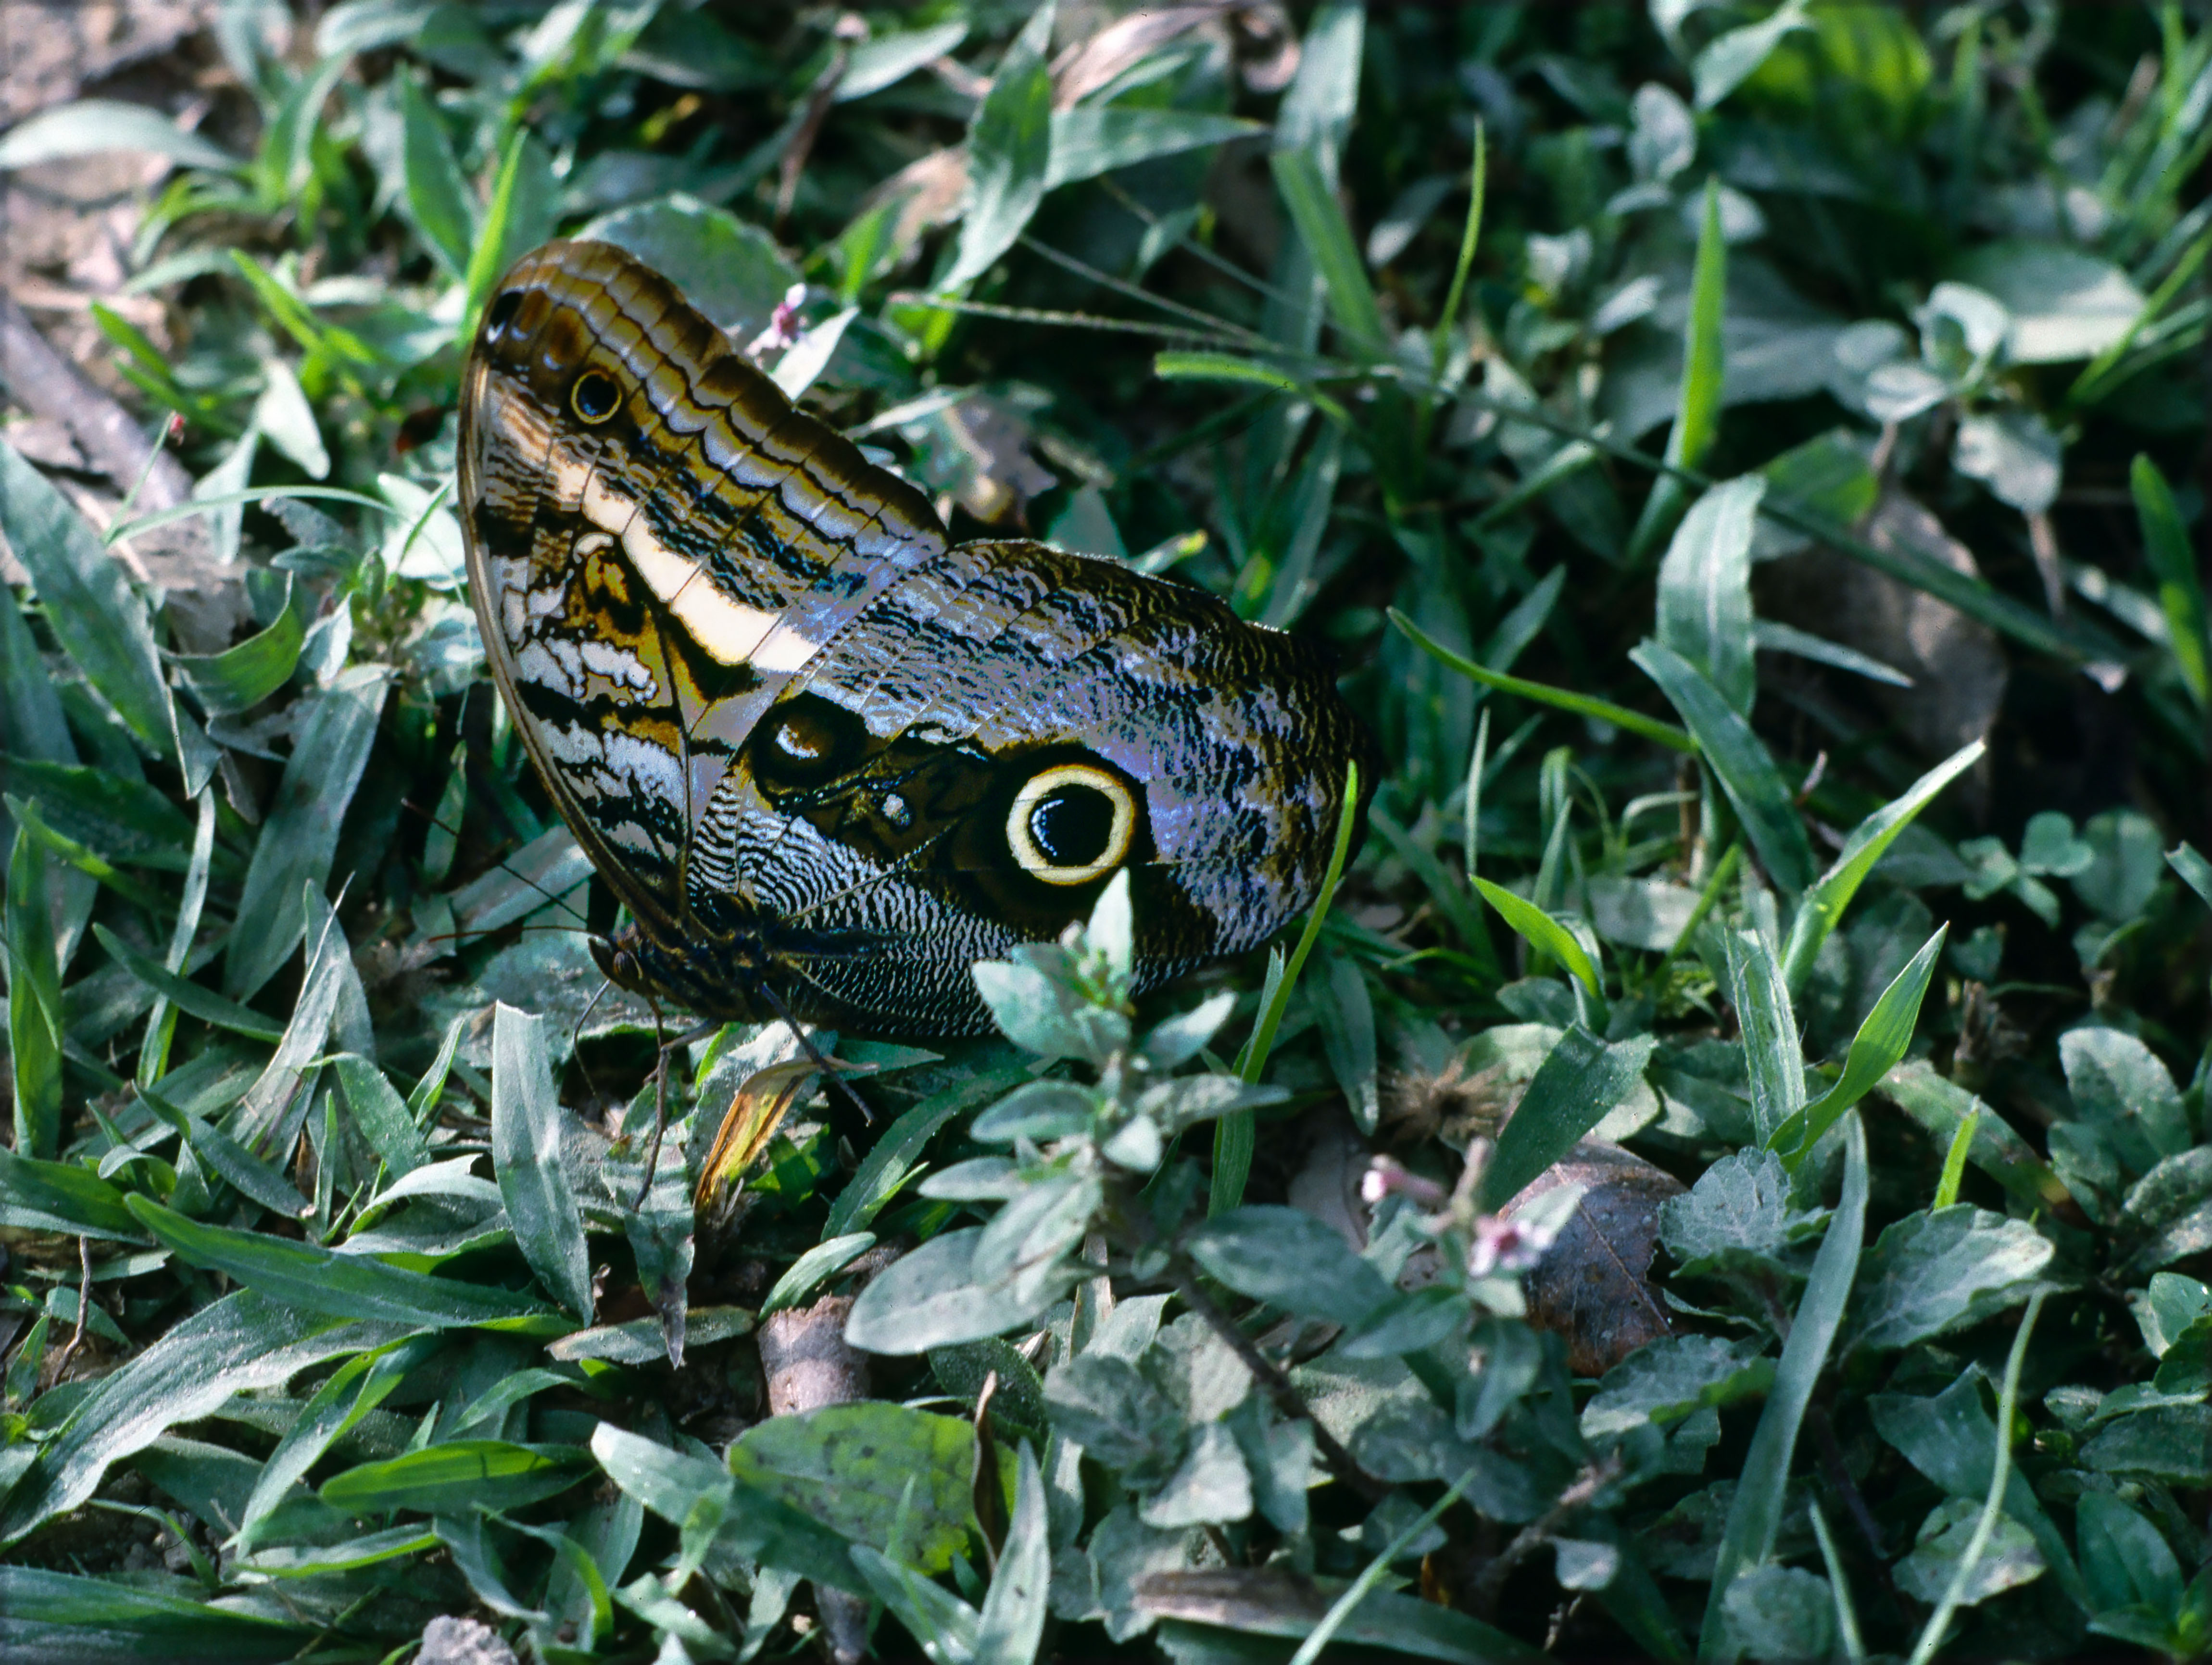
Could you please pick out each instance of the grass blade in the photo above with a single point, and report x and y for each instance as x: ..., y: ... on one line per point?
x: 243, y: 1342
x: 1575, y: 1088
x: 527, y: 1158
x: 1582, y: 705
x: 35, y: 1000
x: 1823, y: 904
x: 1704, y: 589
x: 1328, y: 243
x: 318, y: 1281
x: 99, y: 620
x: 1878, y: 1047
x: 2000, y: 1474
x: 1770, y: 1051
x: 1543, y: 933
x: 1698, y: 413
x: 1233, y: 1132
x: 2180, y: 594
x: 1011, y: 1623
x: 299, y: 840
x: 1009, y: 152
x: 1755, y: 1516
x: 1739, y: 761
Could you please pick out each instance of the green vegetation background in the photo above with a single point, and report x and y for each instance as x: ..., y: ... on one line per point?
x: 1749, y: 461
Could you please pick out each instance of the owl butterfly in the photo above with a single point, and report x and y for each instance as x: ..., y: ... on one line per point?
x: 827, y: 759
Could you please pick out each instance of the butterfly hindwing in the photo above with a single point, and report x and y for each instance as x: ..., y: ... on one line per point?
x: 821, y: 755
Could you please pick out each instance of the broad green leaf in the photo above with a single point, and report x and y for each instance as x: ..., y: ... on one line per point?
x: 317, y: 1280
x: 2125, y: 1559
x: 2195, y: 869
x: 1739, y: 761
x: 890, y: 1160
x: 436, y: 200
x: 2180, y: 593
x: 299, y: 833
x: 752, y: 1522
x: 1755, y: 1513
x: 2121, y: 1085
x: 1952, y: 1439
x: 39, y: 1196
x: 1739, y: 1213
x: 1012, y: 1624
x: 1292, y: 1260
x: 1879, y: 1047
x: 1823, y: 905
x: 96, y: 617
x: 1698, y: 406
x: 459, y: 1475
x: 1009, y: 154
x: 930, y: 1298
x: 1094, y: 139
x: 187, y: 996
x: 69, y: 1617
x: 814, y: 1268
x: 242, y: 1343
x: 1666, y: 1381
x: 884, y: 60
x: 2064, y: 302
x: 349, y: 1394
x: 238, y: 678
x: 283, y: 414
x: 1319, y: 220
x: 94, y: 126
x: 1704, y: 589
x: 730, y: 270
x: 1582, y: 705
x: 522, y: 215
x: 1580, y: 1081
x: 1733, y: 57
x: 1928, y: 1273
x: 380, y: 1114
x: 526, y: 1132
x: 35, y: 1000
x: 1543, y: 934
x: 867, y: 1470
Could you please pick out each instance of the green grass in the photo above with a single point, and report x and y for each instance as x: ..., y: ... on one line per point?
x: 1618, y: 394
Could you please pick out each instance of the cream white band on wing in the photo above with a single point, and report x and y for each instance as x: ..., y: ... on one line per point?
x: 1040, y: 786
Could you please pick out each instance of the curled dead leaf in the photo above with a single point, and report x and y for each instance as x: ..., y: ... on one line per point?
x: 1593, y: 1286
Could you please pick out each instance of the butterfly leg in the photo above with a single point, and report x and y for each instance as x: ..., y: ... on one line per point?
x: 837, y: 1083
x: 697, y: 1032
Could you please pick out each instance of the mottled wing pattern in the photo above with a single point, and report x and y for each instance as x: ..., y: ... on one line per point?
x: 647, y: 583
x: 813, y: 748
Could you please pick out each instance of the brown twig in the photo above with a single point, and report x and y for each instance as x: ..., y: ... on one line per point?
x: 1491, y: 1582
x: 819, y: 97
x: 83, y: 1306
x: 1279, y: 1388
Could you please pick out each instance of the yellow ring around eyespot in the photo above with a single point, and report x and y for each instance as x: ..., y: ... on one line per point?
x: 1023, y: 843
x: 576, y: 397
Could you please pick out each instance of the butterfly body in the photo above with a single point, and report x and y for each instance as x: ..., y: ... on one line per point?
x: 826, y: 758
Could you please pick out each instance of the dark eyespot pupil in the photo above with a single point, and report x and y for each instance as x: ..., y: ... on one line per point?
x: 596, y: 396
x: 1072, y: 826
x: 503, y: 310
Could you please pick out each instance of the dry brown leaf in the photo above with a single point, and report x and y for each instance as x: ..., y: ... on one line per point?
x: 1593, y: 1286
x: 1957, y: 665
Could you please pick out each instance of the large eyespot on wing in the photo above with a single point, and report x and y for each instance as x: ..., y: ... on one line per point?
x: 1071, y: 823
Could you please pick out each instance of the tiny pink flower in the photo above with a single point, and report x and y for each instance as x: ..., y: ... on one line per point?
x: 1504, y: 1245
x: 781, y: 333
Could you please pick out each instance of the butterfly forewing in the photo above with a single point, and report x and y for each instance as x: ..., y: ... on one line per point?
x: 811, y: 746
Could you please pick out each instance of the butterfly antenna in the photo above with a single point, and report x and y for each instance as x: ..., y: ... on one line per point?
x: 576, y: 1034
x: 504, y: 865
x: 820, y: 1060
